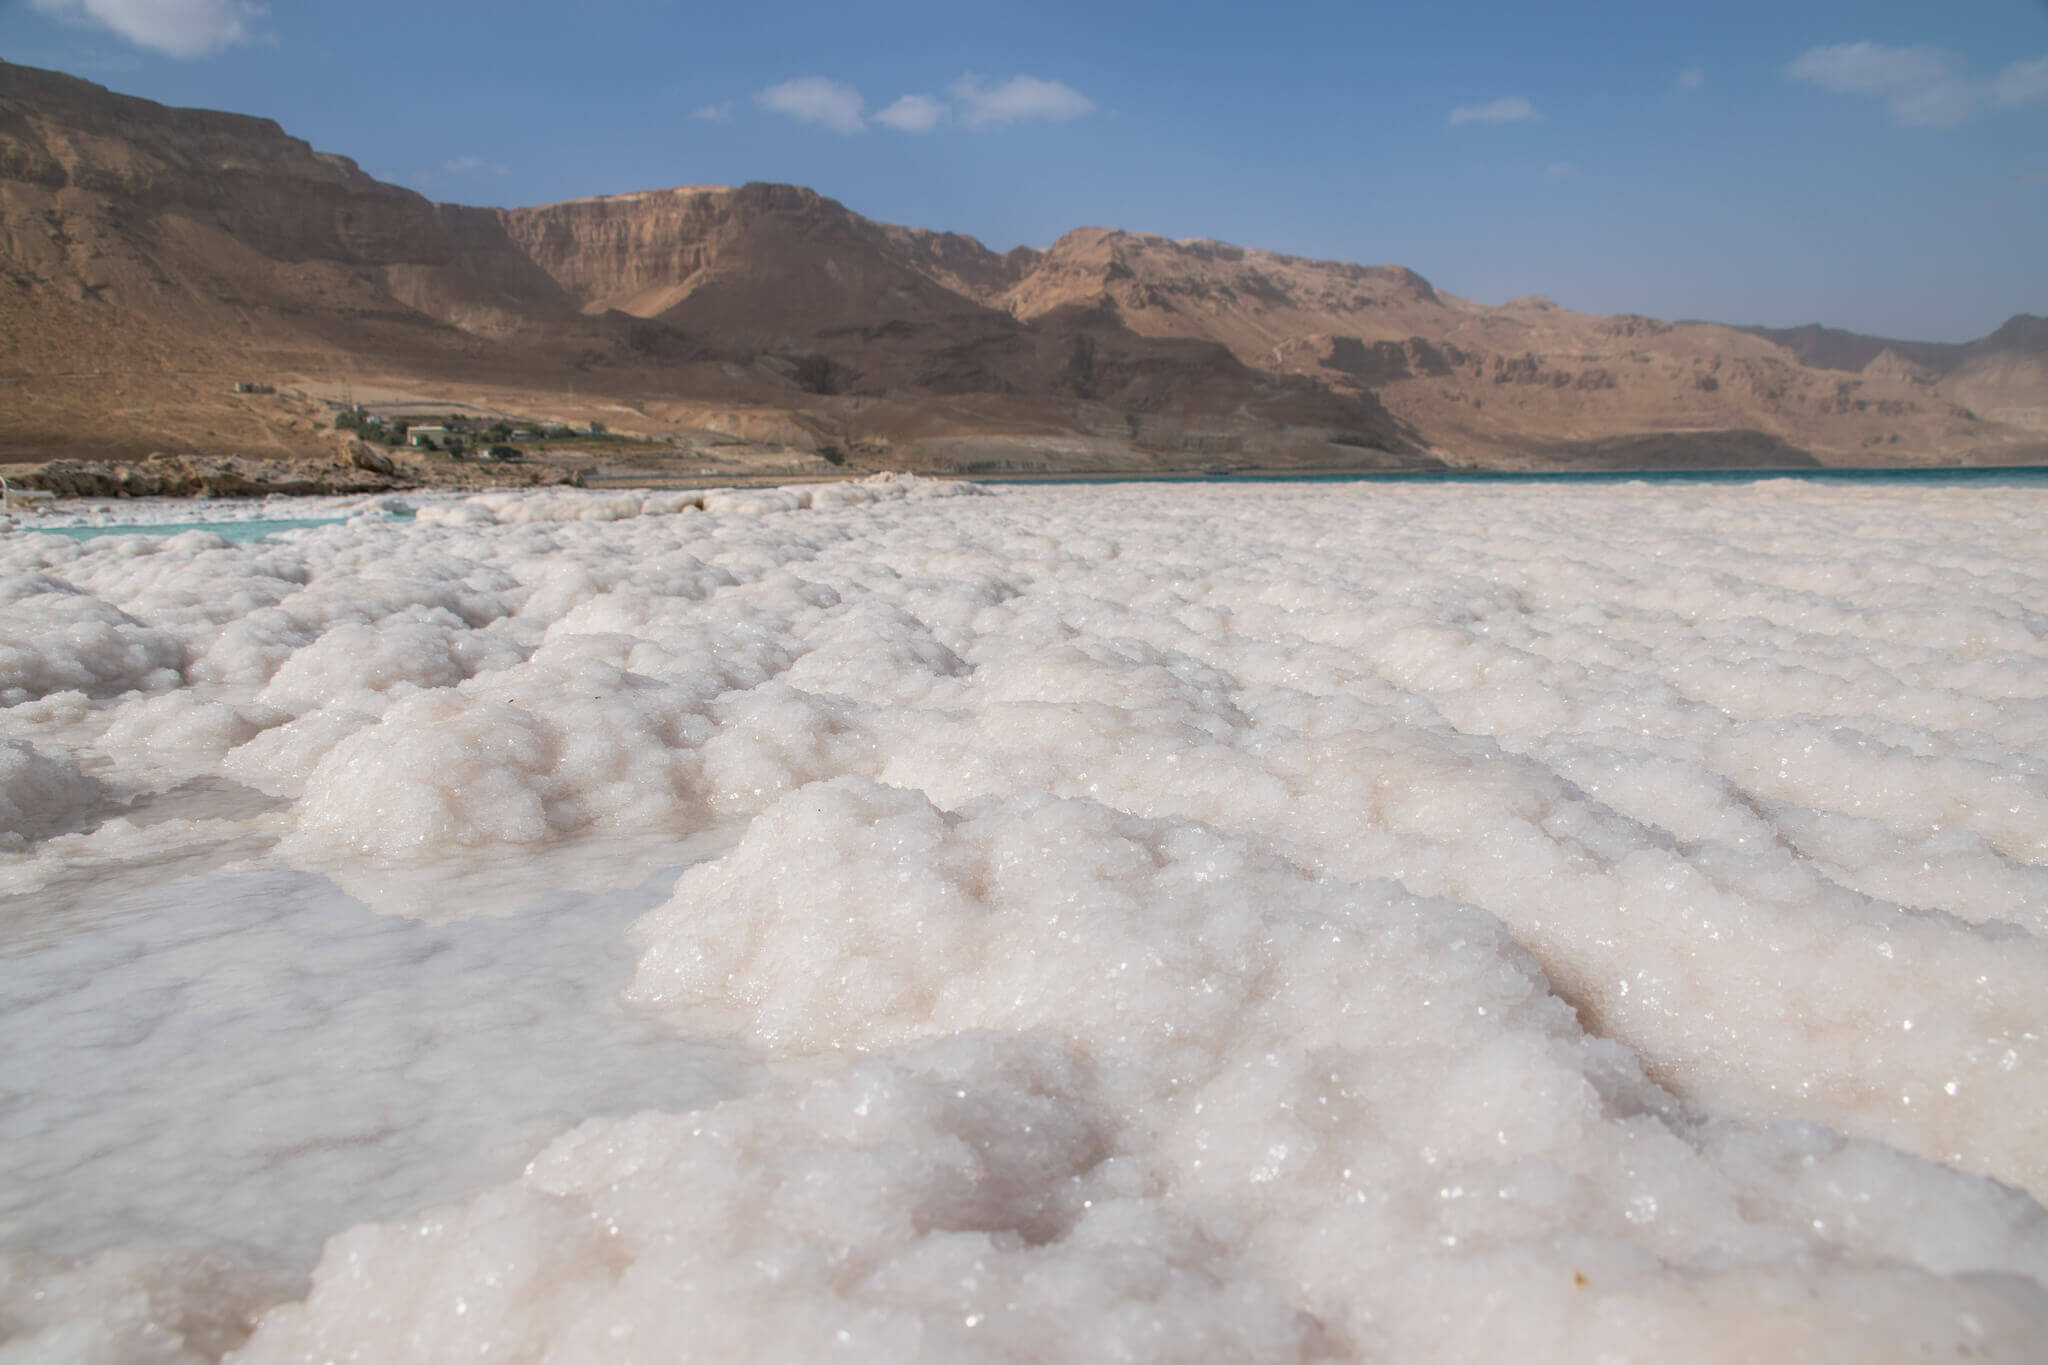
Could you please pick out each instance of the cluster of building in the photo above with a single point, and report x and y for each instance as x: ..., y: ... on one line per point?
x: 457, y: 435
x: 493, y: 437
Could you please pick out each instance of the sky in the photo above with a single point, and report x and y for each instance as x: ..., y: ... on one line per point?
x: 1874, y: 165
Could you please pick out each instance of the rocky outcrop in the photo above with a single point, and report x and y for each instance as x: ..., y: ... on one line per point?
x: 197, y: 476
x: 238, y: 476
x: 356, y: 455
x: 1889, y: 364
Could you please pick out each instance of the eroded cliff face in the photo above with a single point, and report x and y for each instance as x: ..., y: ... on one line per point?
x: 753, y: 263
x: 148, y: 253
x: 1245, y: 298
x: 638, y: 253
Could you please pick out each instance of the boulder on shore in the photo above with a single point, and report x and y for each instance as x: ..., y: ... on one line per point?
x: 356, y: 455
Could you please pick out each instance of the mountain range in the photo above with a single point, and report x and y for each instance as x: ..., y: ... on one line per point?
x: 152, y: 258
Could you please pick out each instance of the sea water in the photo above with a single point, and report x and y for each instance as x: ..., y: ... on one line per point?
x: 1428, y: 921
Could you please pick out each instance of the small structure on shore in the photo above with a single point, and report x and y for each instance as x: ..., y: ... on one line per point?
x: 14, y: 499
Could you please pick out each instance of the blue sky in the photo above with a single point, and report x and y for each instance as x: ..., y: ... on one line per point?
x: 1878, y: 166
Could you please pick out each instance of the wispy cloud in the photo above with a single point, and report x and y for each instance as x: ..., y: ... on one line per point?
x: 1692, y: 78
x: 471, y: 165
x: 816, y: 99
x: 176, y: 28
x: 2022, y: 83
x: 1922, y: 87
x: 975, y: 103
x: 1560, y: 170
x: 1512, y: 109
x: 913, y: 114
x: 1020, y: 99
x: 715, y: 113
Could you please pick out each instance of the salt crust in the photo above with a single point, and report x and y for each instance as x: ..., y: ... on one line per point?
x: 240, y: 1064
x: 1345, y: 922
x: 129, y: 1307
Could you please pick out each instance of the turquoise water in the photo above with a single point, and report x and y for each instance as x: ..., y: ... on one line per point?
x: 238, y: 531
x: 2015, y: 476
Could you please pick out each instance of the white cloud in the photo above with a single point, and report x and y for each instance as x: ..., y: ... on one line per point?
x: 471, y: 165
x: 978, y: 104
x: 715, y: 113
x: 2022, y: 83
x: 1692, y: 78
x: 1512, y: 109
x: 913, y: 114
x: 1560, y: 170
x: 1020, y: 99
x: 1922, y: 87
x: 177, y: 28
x: 815, y: 99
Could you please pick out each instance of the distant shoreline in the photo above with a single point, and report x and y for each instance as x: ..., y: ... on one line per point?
x: 1723, y: 474
x: 1936, y: 475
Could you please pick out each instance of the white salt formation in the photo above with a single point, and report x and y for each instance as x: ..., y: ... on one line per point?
x: 1330, y: 922
x: 282, y: 1064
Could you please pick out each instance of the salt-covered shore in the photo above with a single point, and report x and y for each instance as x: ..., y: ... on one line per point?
x: 1144, y: 922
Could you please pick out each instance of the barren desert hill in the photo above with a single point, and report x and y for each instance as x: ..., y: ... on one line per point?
x: 149, y: 256
x: 150, y: 259
x: 2002, y: 377
x: 784, y: 267
x: 1831, y: 348
x: 1529, y: 371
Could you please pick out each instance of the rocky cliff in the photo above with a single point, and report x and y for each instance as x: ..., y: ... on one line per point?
x: 150, y: 256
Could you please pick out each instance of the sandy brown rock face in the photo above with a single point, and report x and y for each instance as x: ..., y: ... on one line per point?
x: 1530, y: 378
x: 151, y: 258
x: 638, y: 253
x: 1245, y: 298
x: 759, y: 268
x: 1888, y: 364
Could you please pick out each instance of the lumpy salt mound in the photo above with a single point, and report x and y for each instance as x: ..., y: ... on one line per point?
x: 962, y: 1204
x: 1344, y: 922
